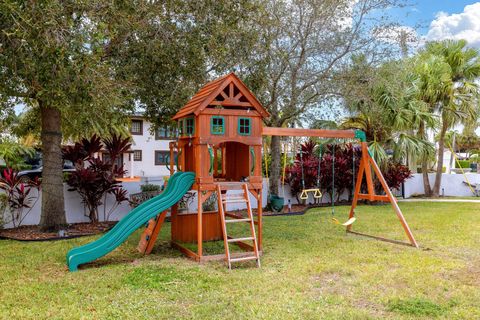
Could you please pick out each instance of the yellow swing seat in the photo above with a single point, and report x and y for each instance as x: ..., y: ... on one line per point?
x: 346, y: 223
x: 317, y: 194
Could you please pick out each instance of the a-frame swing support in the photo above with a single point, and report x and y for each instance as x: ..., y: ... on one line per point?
x: 367, y: 163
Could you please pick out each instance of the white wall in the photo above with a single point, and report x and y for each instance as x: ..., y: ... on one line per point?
x: 452, y: 184
x: 75, y: 210
x: 148, y: 145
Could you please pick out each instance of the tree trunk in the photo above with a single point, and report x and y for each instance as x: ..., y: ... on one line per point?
x: 275, y: 164
x: 53, y: 206
x: 438, y: 174
x: 426, y: 182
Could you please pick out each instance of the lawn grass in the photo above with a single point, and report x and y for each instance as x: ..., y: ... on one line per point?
x: 310, y: 270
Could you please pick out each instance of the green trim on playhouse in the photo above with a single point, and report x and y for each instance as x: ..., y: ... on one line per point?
x: 215, y: 127
x: 359, y: 134
x: 244, y: 126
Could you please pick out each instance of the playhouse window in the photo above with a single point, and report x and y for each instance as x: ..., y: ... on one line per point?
x: 244, y: 126
x: 217, y: 125
x: 189, y: 126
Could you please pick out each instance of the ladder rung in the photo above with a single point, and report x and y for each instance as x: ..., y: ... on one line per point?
x: 236, y: 220
x: 233, y: 200
x: 239, y: 239
x: 243, y: 258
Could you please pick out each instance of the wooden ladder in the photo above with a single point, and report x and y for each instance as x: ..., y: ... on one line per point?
x: 223, y: 200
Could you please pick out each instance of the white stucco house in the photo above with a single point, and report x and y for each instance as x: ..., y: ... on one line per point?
x: 150, y: 152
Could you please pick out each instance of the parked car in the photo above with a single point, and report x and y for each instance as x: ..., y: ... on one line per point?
x: 37, y: 172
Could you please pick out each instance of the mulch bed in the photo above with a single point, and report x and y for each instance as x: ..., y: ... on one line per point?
x: 74, y: 230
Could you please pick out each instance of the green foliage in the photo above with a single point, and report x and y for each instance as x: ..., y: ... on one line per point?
x: 463, y: 163
x: 14, y: 153
x: 56, y: 54
x: 177, y: 45
x: 211, y: 203
x: 148, y: 187
x: 417, y: 307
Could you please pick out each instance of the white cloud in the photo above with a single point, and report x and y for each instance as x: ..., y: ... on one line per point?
x: 465, y: 25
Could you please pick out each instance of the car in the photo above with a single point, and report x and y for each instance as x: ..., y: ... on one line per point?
x: 36, y: 172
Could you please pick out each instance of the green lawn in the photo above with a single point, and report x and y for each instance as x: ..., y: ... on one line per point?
x: 310, y: 270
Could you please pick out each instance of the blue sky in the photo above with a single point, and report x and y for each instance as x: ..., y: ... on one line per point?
x: 442, y: 19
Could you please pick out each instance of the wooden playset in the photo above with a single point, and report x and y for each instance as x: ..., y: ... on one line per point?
x: 220, y: 140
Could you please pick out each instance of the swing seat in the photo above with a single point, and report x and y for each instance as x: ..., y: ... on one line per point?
x: 317, y: 194
x: 346, y: 223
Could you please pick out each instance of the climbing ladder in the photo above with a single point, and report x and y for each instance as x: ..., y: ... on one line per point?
x: 223, y: 200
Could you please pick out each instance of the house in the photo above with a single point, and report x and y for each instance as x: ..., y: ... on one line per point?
x: 149, y: 155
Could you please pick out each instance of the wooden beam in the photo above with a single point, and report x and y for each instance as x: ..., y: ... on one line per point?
x: 299, y: 132
x: 374, y: 197
x: 189, y: 253
x: 393, y: 201
x: 230, y: 103
x: 156, y: 230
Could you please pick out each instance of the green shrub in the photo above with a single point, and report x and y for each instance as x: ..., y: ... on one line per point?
x: 149, y: 187
x: 465, y: 164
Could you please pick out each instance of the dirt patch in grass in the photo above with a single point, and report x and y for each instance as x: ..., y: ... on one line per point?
x: 469, y: 275
x: 34, y: 233
x: 331, y: 283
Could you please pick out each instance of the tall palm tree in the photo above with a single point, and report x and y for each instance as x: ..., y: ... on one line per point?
x: 391, y: 114
x: 447, y: 71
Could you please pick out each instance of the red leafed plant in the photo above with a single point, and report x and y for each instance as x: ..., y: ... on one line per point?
x: 19, y: 196
x: 395, y: 174
x: 347, y: 162
x: 94, y: 178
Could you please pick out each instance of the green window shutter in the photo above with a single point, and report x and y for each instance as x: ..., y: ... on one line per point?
x: 244, y: 126
x: 217, y: 125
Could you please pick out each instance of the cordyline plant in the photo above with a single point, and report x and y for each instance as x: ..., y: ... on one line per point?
x: 347, y: 161
x: 95, y: 178
x: 19, y: 196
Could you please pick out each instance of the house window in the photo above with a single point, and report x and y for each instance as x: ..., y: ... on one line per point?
x: 137, y: 155
x: 118, y: 160
x: 180, y: 127
x: 165, y: 133
x: 163, y: 157
x: 137, y: 127
x: 217, y: 125
x: 244, y: 126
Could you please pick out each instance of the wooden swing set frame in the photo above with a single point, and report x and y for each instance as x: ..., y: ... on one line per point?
x: 367, y: 169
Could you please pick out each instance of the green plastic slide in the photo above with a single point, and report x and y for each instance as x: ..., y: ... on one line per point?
x: 177, y: 186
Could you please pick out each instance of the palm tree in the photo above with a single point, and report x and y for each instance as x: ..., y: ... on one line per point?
x: 391, y: 115
x: 446, y: 73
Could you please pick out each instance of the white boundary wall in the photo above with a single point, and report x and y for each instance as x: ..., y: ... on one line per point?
x: 75, y: 210
x: 452, y: 184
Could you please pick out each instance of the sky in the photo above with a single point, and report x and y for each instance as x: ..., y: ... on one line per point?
x: 442, y: 19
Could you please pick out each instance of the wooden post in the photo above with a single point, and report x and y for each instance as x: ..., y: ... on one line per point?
x: 368, y: 170
x: 393, y: 201
x: 172, y: 158
x: 358, y: 185
x: 259, y: 218
x: 199, y: 224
